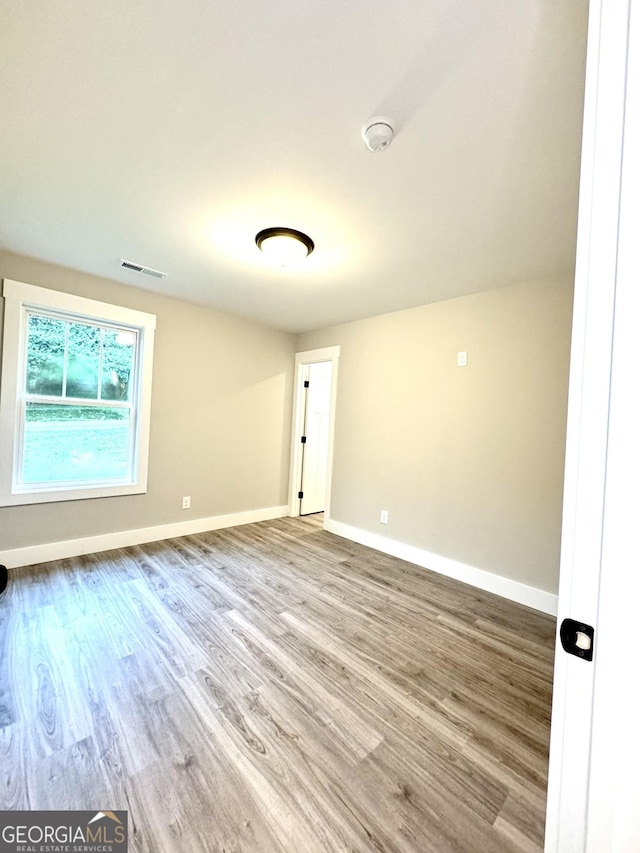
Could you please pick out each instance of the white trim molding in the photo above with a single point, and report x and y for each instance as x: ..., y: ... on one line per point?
x: 593, y: 790
x: 530, y: 596
x: 122, y: 539
x: 303, y: 359
x: 20, y: 300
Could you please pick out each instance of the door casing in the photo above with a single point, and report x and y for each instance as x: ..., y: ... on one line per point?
x: 307, y: 357
x: 593, y: 780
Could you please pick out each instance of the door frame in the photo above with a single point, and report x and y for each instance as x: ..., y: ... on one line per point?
x: 599, y: 520
x: 303, y: 359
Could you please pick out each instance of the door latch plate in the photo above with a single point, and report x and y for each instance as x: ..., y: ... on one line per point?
x: 577, y: 638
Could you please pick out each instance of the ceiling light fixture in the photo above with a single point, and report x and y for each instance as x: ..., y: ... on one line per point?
x: 284, y: 245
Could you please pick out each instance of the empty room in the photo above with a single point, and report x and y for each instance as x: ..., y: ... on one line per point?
x: 306, y: 416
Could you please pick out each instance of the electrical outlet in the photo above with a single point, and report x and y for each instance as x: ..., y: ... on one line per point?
x: 384, y: 516
x: 186, y: 502
x: 462, y: 359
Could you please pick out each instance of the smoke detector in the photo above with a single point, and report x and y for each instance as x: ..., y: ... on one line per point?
x: 378, y: 133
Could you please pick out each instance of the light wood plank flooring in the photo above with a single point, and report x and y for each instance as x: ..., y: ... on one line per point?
x: 275, y: 688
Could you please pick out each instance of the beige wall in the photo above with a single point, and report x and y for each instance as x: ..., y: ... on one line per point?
x: 221, y: 415
x: 468, y: 461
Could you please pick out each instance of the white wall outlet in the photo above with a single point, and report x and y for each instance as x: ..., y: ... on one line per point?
x: 186, y: 502
x: 462, y: 359
x: 384, y: 516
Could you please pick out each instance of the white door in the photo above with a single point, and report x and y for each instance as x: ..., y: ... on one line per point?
x: 323, y: 362
x: 594, y: 784
x: 315, y: 446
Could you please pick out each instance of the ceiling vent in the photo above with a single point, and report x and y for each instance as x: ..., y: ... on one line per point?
x: 129, y: 265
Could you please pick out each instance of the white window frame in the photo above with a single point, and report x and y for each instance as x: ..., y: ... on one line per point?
x: 19, y: 298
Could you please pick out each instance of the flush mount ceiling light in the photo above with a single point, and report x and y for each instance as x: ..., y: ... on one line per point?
x: 284, y: 245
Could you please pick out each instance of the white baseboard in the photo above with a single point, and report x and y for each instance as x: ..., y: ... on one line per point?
x: 123, y: 538
x: 530, y: 596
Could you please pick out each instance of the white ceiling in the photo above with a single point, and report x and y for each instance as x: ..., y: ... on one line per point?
x: 170, y: 132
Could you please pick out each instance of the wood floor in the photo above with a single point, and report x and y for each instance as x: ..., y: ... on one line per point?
x: 275, y: 688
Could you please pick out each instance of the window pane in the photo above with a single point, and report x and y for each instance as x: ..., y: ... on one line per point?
x: 45, y: 355
x: 64, y: 442
x: 83, y: 361
x: 117, y: 363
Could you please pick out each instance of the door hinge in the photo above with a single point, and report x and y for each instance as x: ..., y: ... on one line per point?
x: 300, y: 495
x: 303, y: 439
x: 306, y: 383
x: 577, y: 638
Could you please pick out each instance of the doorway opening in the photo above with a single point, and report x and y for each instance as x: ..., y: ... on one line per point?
x: 316, y: 375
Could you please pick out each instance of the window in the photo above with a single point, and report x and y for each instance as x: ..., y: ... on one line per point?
x: 75, y: 397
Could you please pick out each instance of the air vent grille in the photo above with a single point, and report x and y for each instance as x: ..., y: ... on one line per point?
x: 129, y: 265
